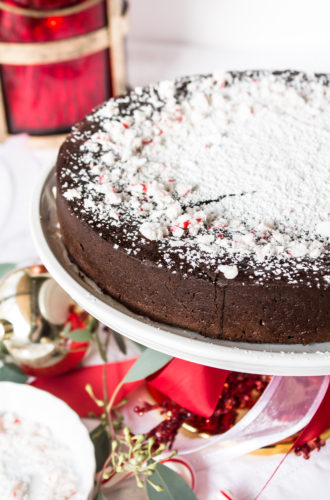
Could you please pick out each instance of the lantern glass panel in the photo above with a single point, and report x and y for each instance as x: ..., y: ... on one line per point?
x: 49, y: 98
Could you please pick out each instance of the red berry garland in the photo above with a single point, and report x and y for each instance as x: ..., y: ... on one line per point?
x: 306, y: 449
x: 240, y: 392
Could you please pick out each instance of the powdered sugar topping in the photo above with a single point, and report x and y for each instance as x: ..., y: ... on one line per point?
x: 228, y: 167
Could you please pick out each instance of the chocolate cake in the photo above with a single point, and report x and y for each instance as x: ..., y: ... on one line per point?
x: 204, y: 203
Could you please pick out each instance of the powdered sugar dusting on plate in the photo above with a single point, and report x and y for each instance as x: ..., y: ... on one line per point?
x: 227, y: 171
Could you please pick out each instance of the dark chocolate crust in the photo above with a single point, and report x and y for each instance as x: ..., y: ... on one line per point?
x: 240, y: 309
x: 274, y: 313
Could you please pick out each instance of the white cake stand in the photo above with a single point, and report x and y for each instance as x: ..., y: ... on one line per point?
x: 271, y: 359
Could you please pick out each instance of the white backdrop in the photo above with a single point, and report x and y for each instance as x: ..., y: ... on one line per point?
x: 169, y: 38
x: 234, y: 24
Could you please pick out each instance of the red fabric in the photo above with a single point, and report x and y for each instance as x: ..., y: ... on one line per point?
x: 319, y: 423
x: 195, y: 387
x: 71, y: 387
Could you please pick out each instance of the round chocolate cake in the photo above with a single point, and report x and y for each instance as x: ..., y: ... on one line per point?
x: 204, y: 203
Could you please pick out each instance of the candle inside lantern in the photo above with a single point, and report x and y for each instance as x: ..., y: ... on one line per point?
x: 49, y: 98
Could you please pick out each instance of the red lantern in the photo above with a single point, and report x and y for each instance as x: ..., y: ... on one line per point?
x: 56, y: 62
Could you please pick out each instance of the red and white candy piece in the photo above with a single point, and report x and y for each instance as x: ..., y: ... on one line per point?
x: 224, y: 495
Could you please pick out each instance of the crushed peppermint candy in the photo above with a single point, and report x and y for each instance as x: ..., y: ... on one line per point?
x: 33, y: 466
x: 227, y: 170
x: 229, y: 272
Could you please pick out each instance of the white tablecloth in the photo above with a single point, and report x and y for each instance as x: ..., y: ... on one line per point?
x: 297, y: 478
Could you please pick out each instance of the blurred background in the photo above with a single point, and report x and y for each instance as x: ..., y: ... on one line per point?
x: 175, y: 37
x: 61, y: 58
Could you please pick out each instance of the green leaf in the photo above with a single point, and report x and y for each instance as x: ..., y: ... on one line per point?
x: 101, y: 442
x: 6, y: 267
x: 119, y: 339
x: 100, y: 348
x: 173, y: 486
x: 92, y: 325
x: 3, y: 350
x: 100, y: 496
x: 66, y: 330
x: 149, y: 362
x: 79, y: 335
x: 10, y: 372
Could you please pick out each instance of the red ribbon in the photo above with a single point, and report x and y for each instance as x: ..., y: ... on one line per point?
x: 195, y: 387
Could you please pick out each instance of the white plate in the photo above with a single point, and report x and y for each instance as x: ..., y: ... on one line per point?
x: 44, y: 408
x: 272, y: 359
